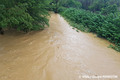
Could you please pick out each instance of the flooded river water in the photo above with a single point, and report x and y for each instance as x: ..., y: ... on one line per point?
x: 56, y: 53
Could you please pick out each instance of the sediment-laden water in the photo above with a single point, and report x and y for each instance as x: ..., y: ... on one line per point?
x: 56, y: 53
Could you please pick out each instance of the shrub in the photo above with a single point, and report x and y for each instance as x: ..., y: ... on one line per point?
x: 107, y: 27
x: 25, y: 15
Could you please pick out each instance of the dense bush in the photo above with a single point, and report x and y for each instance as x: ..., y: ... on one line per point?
x: 109, y: 9
x: 23, y: 15
x: 106, y: 6
x: 58, y: 5
x: 107, y: 27
x: 72, y: 3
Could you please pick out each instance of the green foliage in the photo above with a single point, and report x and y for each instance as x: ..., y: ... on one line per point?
x: 59, y: 5
x: 72, y: 3
x: 107, y: 27
x: 16, y: 18
x: 106, y: 6
x: 117, y: 48
x: 25, y: 15
x: 109, y: 9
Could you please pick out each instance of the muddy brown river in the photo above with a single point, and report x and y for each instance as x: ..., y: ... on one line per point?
x: 56, y: 53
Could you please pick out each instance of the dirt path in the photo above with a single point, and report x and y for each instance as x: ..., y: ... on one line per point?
x: 56, y: 53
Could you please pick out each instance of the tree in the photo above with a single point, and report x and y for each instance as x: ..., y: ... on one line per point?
x: 98, y: 5
x: 23, y: 15
x: 109, y: 9
x: 57, y: 4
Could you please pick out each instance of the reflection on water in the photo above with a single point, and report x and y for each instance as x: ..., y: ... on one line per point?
x: 56, y: 53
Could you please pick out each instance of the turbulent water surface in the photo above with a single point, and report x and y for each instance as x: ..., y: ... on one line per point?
x: 56, y: 53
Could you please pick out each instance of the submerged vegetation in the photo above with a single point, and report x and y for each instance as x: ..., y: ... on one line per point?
x: 98, y: 16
